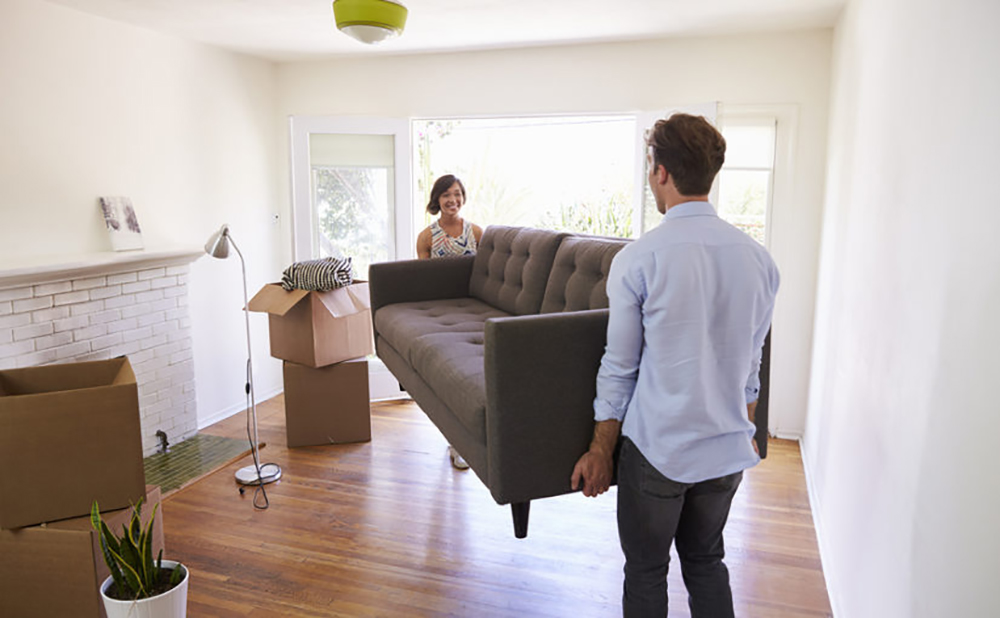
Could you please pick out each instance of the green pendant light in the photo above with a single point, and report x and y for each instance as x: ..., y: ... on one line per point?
x: 370, y: 21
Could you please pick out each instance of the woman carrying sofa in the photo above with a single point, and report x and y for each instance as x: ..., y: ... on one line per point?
x: 450, y: 235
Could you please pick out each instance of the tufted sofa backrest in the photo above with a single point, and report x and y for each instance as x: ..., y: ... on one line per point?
x: 580, y: 273
x: 512, y: 267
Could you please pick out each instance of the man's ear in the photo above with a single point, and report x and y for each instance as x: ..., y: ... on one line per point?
x: 662, y: 175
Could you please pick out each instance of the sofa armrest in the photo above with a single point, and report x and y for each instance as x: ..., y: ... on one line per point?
x: 541, y: 375
x: 415, y: 280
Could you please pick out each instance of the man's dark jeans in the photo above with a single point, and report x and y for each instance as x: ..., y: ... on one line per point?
x: 654, y: 511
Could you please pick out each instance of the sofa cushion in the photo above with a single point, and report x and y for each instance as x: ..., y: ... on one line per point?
x: 402, y: 324
x: 452, y: 365
x: 512, y: 266
x: 579, y: 274
x: 442, y: 340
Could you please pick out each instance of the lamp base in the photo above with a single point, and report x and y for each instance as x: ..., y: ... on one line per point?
x: 269, y: 473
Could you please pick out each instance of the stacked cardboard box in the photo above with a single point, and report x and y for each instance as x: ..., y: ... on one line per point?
x: 323, y: 337
x: 55, y: 570
x: 69, y: 435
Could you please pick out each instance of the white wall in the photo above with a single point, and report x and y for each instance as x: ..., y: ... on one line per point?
x: 791, y: 69
x: 901, y: 438
x: 90, y: 107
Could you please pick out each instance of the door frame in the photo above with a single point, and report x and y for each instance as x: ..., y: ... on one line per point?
x: 300, y: 128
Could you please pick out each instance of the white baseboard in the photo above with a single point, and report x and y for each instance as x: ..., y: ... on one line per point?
x: 236, y: 409
x: 379, y: 385
x: 831, y: 587
x: 794, y: 436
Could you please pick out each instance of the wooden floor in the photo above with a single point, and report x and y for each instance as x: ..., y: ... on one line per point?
x: 388, y: 528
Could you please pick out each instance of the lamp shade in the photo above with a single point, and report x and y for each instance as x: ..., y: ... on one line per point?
x: 218, y: 243
x: 370, y: 21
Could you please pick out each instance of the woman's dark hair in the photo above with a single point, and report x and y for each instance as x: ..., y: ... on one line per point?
x: 441, y: 185
x: 691, y: 150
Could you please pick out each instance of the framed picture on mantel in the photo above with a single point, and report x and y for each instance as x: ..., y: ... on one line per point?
x: 122, y: 224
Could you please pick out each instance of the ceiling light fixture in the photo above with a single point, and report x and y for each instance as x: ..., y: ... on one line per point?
x: 370, y: 21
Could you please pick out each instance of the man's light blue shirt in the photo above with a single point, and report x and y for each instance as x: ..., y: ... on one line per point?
x: 690, y: 304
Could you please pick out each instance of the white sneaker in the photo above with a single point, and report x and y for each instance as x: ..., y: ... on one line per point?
x: 457, y: 460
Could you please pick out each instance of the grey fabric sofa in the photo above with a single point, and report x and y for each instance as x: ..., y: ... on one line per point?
x: 501, y: 351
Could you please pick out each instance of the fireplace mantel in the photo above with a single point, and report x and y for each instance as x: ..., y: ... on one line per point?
x: 34, y: 271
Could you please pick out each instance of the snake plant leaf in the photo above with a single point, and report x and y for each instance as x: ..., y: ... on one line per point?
x: 132, y: 581
x: 151, y: 571
x: 109, y: 545
x: 130, y: 562
x: 177, y: 575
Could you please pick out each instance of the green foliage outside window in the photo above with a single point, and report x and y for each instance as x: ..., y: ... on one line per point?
x: 612, y: 217
x: 351, y: 214
x: 743, y: 200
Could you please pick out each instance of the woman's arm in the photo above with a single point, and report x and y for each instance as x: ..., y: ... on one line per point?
x: 424, y: 244
x: 477, y: 232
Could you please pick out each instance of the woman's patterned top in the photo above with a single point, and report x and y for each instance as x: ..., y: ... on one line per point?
x: 443, y: 245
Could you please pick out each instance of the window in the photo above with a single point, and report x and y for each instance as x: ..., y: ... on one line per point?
x: 581, y: 173
x: 571, y: 174
x: 352, y: 186
x: 350, y: 179
x: 746, y: 180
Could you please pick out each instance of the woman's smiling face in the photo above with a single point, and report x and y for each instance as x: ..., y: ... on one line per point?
x: 451, y: 200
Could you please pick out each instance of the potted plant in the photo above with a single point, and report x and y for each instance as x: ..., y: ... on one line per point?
x: 138, y: 586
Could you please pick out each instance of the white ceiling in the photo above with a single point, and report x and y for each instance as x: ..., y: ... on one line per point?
x: 285, y: 30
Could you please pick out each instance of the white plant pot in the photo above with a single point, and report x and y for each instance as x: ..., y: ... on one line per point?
x: 170, y: 604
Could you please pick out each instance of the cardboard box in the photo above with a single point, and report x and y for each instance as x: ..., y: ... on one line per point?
x: 55, y: 570
x: 69, y: 435
x: 328, y: 405
x: 317, y: 329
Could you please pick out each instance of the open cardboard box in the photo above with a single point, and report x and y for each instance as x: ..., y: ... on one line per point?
x: 55, y: 570
x: 328, y: 405
x: 69, y: 435
x: 317, y: 329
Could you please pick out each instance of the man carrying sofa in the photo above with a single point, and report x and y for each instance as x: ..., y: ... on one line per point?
x: 690, y: 305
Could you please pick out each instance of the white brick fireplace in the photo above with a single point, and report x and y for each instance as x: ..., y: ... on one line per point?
x: 108, y: 305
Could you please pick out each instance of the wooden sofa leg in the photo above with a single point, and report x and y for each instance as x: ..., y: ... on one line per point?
x: 520, y: 512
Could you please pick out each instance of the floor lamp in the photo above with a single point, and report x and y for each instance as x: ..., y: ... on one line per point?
x: 257, y: 474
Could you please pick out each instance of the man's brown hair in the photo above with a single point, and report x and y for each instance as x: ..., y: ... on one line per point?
x: 691, y: 150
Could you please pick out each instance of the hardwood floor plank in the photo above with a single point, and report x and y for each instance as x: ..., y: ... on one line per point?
x: 389, y: 528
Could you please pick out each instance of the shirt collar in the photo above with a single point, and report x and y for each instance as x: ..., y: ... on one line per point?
x: 691, y: 209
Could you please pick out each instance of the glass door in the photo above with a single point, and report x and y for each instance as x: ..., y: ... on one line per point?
x: 351, y: 198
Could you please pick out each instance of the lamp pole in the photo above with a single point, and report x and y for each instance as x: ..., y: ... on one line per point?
x: 218, y: 247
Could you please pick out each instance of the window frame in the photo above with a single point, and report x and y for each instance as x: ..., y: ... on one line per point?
x: 784, y: 118
x: 643, y: 121
x: 300, y: 128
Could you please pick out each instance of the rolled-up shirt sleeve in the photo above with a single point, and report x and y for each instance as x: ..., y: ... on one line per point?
x: 619, y: 369
x: 760, y: 334
x: 752, y: 389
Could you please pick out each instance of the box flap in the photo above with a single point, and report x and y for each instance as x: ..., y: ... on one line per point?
x: 30, y: 381
x: 273, y: 299
x: 346, y: 300
x: 125, y: 373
